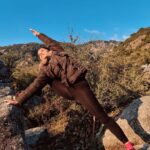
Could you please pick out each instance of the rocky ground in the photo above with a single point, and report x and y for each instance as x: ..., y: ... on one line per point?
x: 134, y: 120
x: 15, y: 135
x: 72, y: 130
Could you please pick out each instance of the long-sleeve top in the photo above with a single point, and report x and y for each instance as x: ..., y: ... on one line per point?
x: 60, y: 66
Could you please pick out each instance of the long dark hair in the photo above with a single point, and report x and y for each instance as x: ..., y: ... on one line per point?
x: 45, y: 47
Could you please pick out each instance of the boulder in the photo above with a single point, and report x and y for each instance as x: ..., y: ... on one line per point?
x: 32, y: 102
x: 1, y: 64
x: 12, y: 135
x: 135, y: 122
x: 36, y: 136
x: 4, y: 91
x: 4, y: 71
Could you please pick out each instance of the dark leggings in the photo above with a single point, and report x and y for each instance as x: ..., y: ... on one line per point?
x: 81, y: 92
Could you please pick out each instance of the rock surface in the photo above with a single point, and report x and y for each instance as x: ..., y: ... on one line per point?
x: 11, y: 127
x: 13, y: 135
x: 3, y: 70
x: 36, y: 136
x: 135, y: 122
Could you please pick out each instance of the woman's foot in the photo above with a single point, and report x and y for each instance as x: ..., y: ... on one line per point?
x: 129, y: 146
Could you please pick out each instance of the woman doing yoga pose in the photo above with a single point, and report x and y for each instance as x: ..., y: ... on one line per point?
x: 67, y: 79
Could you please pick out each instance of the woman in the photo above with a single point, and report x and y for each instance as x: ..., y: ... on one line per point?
x: 67, y: 78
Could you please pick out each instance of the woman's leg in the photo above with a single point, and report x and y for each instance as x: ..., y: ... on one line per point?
x: 83, y: 93
x: 62, y: 90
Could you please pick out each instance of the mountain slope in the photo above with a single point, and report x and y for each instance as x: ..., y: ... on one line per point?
x: 122, y: 78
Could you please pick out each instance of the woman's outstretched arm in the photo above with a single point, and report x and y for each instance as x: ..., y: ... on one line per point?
x: 39, y: 82
x: 51, y: 43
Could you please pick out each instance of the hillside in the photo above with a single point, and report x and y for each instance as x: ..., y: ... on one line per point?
x: 94, y: 46
x: 115, y: 75
x: 122, y: 77
x: 100, y: 46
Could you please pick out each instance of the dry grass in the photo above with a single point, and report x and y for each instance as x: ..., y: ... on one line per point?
x: 58, y: 125
x: 24, y: 75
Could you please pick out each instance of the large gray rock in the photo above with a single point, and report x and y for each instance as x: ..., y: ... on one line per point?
x: 1, y: 64
x: 12, y: 135
x: 12, y: 126
x: 135, y: 122
x: 32, y: 102
x: 36, y: 136
x: 4, y: 91
x: 4, y: 71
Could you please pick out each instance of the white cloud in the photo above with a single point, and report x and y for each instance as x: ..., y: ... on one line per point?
x: 94, y: 32
x: 124, y: 37
x: 116, y: 37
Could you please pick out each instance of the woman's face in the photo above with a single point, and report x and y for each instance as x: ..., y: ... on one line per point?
x: 42, y: 53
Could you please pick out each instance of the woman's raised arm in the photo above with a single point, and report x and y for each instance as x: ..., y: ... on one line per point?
x: 51, y: 43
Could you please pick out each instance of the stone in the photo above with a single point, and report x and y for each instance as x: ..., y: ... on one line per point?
x: 5, y: 91
x: 4, y: 71
x: 135, y: 122
x: 12, y: 135
x: 32, y: 102
x: 36, y: 136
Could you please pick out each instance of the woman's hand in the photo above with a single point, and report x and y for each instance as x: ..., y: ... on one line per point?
x: 12, y: 102
x: 36, y: 33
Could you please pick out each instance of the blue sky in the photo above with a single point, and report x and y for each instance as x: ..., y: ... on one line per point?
x: 89, y: 19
